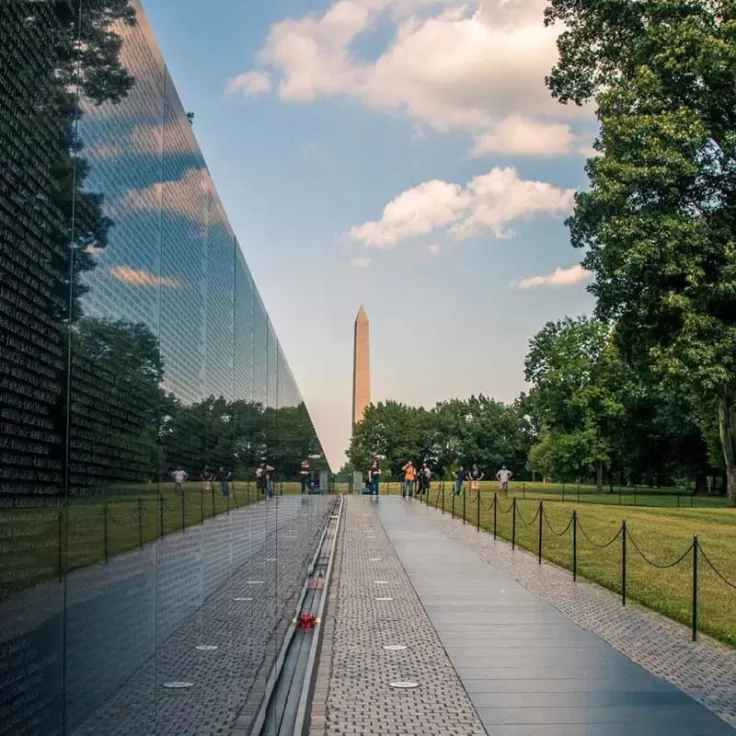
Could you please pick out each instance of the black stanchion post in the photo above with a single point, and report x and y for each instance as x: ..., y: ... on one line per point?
x: 227, y: 501
x: 465, y: 495
x: 443, y: 497
x: 477, y: 513
x: 574, y: 545
x: 453, y: 505
x: 695, y: 587
x: 539, y: 548
x: 623, y: 562
x: 513, y: 523
x: 495, y: 512
x: 104, y: 529
x: 523, y: 490
x: 140, y: 524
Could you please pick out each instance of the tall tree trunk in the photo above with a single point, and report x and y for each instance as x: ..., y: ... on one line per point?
x: 727, y: 432
x: 600, y: 477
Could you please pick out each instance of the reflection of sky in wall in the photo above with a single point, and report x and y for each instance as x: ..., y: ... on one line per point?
x: 170, y: 260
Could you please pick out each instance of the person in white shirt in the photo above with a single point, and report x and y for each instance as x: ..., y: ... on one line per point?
x: 179, y: 477
x: 504, y: 476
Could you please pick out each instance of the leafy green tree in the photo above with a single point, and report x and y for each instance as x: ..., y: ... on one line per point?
x: 579, y: 379
x: 658, y: 222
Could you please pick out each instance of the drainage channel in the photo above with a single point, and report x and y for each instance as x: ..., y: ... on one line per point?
x: 285, y: 710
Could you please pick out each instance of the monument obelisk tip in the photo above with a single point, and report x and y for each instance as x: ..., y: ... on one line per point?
x: 361, y: 366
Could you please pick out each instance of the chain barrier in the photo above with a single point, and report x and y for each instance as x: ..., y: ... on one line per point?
x: 599, y: 546
x: 521, y: 516
x: 715, y: 569
x: 657, y: 564
x: 552, y: 529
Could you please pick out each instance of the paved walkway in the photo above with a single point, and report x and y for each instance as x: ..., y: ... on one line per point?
x: 527, y: 668
x: 705, y: 669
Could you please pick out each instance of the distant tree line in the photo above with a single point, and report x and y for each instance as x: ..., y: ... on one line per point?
x: 587, y: 417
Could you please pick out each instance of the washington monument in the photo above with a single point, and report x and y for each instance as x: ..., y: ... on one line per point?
x: 361, y: 366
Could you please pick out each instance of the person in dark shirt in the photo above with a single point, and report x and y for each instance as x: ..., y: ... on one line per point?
x: 459, y: 480
x: 475, y: 477
x: 425, y: 478
x: 306, y: 476
x: 374, y: 475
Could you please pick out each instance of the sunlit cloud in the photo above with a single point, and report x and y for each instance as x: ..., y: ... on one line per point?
x: 471, y: 66
x: 144, y: 279
x: 488, y: 203
x: 559, y: 277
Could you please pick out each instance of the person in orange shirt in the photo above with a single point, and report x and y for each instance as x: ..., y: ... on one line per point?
x: 410, y: 475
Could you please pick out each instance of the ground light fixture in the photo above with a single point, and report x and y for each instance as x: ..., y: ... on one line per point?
x: 241, y: 598
x: 394, y: 647
x: 178, y: 685
x: 384, y: 599
x: 404, y: 685
x: 206, y: 647
x: 380, y: 582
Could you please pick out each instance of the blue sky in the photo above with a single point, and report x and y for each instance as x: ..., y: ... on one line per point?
x: 401, y: 154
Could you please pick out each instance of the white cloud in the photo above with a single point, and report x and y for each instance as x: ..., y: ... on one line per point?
x: 560, y: 277
x: 361, y: 262
x: 487, y: 203
x: 250, y: 84
x: 526, y: 137
x: 452, y: 65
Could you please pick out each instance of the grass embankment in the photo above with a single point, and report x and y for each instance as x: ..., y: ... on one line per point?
x: 661, y: 534
x: 619, y: 496
x: 39, y: 543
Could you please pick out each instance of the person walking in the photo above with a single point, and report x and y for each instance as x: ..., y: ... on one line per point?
x: 459, y: 480
x: 425, y: 478
x: 180, y: 476
x: 504, y: 476
x: 262, y: 479
x: 374, y: 476
x: 224, y: 476
x: 206, y: 479
x: 475, y: 477
x: 305, y: 476
x: 410, y: 475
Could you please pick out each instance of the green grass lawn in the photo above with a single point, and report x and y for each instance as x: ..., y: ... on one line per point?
x: 650, y: 497
x: 661, y: 534
x: 40, y: 543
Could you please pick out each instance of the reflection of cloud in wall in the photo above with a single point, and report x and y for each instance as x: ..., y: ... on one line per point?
x: 142, y: 278
x: 187, y: 196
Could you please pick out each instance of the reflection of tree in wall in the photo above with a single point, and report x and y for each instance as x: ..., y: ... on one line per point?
x: 50, y: 221
x: 117, y: 404
x: 239, y: 435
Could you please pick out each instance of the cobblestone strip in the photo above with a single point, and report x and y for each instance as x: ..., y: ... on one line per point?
x: 353, y: 693
x: 705, y: 670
